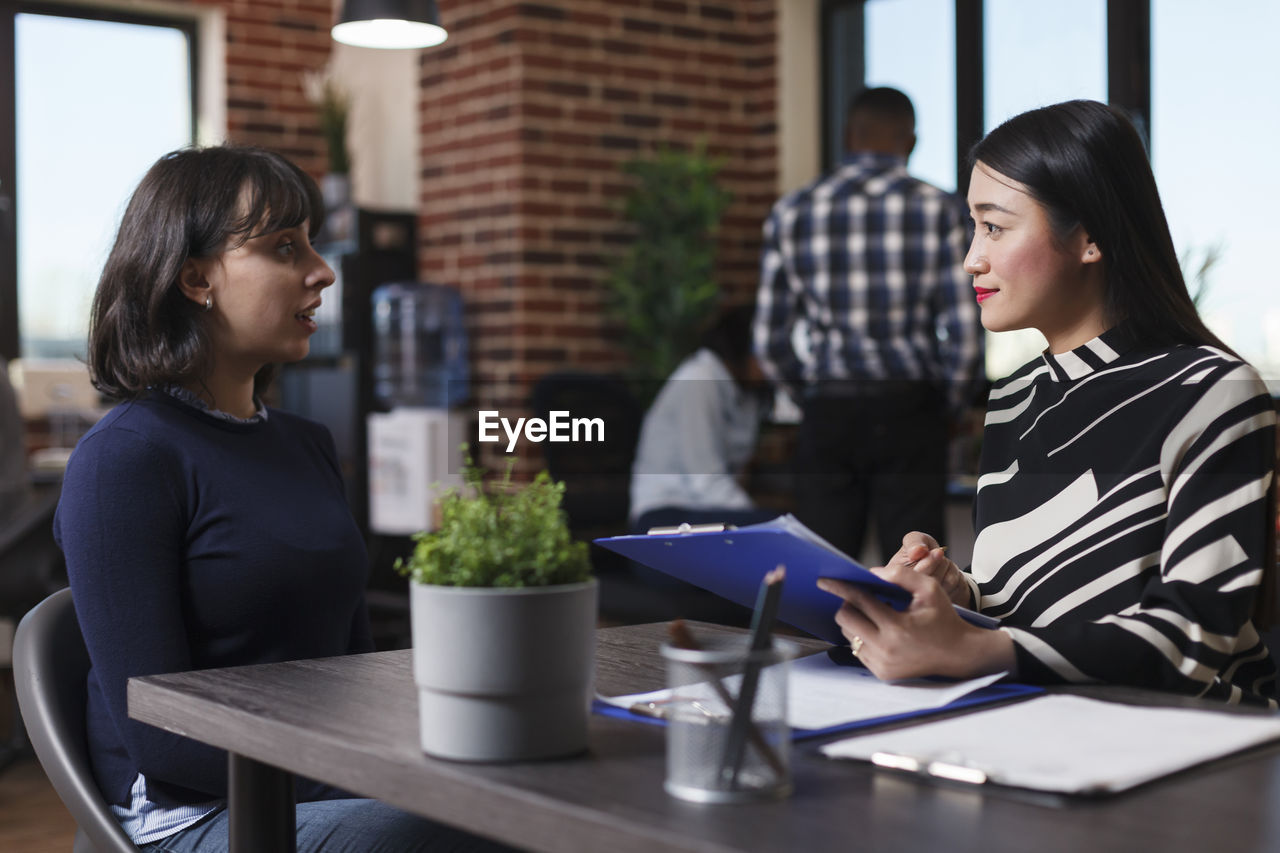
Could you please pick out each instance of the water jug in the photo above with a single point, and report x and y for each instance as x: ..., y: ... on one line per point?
x: 420, y: 346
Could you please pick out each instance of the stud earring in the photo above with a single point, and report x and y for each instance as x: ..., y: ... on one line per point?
x: 208, y: 302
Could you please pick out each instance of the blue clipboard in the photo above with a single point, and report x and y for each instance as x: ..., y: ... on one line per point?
x: 731, y: 562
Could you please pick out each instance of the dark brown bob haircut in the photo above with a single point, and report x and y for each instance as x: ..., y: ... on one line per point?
x: 193, y: 203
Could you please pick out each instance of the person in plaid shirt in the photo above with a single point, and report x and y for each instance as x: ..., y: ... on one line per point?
x: 866, y: 316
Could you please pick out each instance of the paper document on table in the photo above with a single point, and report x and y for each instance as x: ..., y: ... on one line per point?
x: 822, y: 694
x: 1064, y: 744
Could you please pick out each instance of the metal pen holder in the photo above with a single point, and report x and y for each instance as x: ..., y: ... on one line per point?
x: 707, y: 761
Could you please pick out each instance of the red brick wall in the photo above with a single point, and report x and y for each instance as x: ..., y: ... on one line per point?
x: 270, y: 44
x: 527, y: 112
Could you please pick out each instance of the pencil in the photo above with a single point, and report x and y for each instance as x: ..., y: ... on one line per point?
x: 762, y: 619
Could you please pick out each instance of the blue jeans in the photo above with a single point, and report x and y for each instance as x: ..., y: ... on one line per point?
x: 340, y: 826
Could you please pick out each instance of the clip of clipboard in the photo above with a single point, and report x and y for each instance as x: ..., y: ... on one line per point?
x: 730, y: 562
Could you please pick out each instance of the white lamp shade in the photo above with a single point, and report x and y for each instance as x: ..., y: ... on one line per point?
x: 397, y: 24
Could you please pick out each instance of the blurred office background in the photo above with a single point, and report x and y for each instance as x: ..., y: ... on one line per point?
x: 485, y: 177
x: 478, y: 212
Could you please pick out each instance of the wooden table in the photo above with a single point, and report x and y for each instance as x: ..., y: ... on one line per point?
x: 352, y: 722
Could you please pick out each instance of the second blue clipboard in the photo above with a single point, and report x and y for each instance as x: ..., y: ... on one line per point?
x: 731, y: 563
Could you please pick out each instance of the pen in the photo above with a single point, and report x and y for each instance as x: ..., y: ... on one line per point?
x: 762, y: 620
x: 942, y: 548
x: 973, y: 617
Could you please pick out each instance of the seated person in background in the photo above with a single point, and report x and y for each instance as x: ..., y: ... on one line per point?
x: 13, y: 448
x: 200, y: 528
x: 1124, y: 518
x: 699, y: 435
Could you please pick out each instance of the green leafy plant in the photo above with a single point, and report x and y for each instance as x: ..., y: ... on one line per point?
x: 499, y: 534
x: 662, y: 289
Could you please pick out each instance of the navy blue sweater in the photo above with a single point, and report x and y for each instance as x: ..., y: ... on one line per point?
x: 194, y: 542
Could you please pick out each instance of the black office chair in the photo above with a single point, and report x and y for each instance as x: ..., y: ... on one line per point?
x: 50, y: 666
x: 596, y: 474
x: 597, y: 498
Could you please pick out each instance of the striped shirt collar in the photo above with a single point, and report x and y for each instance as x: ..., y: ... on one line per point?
x: 1089, y: 357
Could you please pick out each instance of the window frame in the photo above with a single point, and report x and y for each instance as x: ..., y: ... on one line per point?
x: 843, y: 70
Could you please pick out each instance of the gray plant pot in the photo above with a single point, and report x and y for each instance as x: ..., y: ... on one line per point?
x: 503, y: 674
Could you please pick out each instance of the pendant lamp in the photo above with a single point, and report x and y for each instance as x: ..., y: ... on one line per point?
x: 389, y: 24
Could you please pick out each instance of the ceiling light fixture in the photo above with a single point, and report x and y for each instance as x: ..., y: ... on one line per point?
x: 389, y: 24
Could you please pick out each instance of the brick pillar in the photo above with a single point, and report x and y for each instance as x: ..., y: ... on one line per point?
x: 527, y: 113
x: 270, y: 44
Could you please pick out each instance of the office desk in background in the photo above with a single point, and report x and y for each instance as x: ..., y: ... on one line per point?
x: 353, y: 722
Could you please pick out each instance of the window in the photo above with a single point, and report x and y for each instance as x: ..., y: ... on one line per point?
x: 1198, y: 83
x: 1037, y: 54
x: 906, y: 44
x: 1214, y: 127
x: 911, y: 45
x: 1042, y: 53
x: 96, y: 102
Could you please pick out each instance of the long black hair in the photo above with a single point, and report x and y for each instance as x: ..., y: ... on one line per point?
x: 1087, y: 166
x: 193, y: 203
x: 1085, y: 163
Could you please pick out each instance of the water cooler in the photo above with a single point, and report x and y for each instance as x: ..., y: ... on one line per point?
x: 420, y: 377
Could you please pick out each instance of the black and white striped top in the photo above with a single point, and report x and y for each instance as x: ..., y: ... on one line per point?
x: 1121, y: 518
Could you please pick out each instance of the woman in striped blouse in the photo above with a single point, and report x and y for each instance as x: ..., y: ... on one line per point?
x: 1125, y: 518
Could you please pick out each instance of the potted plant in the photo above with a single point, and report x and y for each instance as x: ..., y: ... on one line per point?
x: 503, y: 610
x: 332, y: 103
x: 661, y: 289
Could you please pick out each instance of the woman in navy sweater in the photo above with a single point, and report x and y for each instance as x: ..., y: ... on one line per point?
x: 1125, y: 513
x: 202, y: 529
